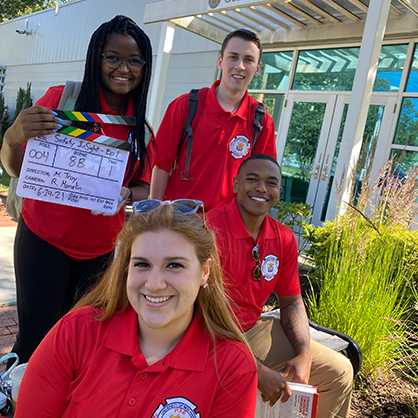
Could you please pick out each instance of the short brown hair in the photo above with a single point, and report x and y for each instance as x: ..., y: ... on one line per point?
x: 110, y: 293
x: 246, y: 35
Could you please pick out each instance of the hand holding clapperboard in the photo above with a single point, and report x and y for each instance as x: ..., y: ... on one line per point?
x: 75, y: 167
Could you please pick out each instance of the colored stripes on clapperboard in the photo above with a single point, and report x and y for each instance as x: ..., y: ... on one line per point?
x: 95, y: 117
x: 91, y: 136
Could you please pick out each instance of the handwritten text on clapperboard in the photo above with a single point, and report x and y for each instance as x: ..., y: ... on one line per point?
x: 71, y: 171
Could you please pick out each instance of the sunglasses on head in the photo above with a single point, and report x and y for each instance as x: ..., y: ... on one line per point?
x: 256, y: 257
x: 181, y: 206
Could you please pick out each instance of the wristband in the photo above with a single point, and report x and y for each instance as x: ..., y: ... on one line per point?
x: 129, y: 199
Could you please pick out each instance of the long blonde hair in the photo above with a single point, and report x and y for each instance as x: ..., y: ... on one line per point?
x: 215, y: 311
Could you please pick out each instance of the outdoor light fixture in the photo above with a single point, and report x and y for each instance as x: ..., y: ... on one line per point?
x: 26, y: 30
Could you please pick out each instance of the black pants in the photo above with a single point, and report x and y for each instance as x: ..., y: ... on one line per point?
x: 48, y: 282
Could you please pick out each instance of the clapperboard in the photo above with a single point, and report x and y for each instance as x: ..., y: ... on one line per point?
x: 75, y: 167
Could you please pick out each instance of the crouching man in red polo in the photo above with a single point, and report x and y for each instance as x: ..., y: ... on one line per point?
x: 260, y: 255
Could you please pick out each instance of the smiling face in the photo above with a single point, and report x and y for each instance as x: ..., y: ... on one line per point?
x: 119, y: 81
x: 258, y: 187
x: 164, y: 278
x: 239, y: 63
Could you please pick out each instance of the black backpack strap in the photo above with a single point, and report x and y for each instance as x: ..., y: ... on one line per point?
x: 188, y: 131
x: 195, y: 105
x: 259, y: 114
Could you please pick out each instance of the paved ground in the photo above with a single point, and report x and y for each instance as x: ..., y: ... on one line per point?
x: 7, y: 234
x: 8, y: 313
x: 8, y: 330
x: 7, y: 282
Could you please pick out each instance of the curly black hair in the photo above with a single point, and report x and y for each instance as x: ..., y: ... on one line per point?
x: 89, y: 97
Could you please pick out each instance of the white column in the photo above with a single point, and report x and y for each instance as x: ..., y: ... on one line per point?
x: 351, y: 142
x: 160, y: 73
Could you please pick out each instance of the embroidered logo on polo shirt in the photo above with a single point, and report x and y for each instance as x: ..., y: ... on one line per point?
x: 239, y: 146
x: 269, y: 266
x: 176, y: 408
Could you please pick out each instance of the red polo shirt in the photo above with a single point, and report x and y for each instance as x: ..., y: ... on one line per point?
x: 278, y: 261
x: 84, y: 368
x: 76, y: 231
x: 221, y: 142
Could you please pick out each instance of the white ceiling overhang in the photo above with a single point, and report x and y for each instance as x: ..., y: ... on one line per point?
x: 283, y: 22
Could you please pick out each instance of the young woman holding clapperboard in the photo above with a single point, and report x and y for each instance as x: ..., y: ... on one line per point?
x: 154, y: 339
x: 59, y: 249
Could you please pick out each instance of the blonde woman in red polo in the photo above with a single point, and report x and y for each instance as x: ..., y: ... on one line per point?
x: 154, y: 339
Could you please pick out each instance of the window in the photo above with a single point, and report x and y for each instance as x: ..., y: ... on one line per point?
x: 274, y: 74
x: 326, y: 69
x: 407, y: 130
x: 273, y: 104
x: 405, y: 144
x: 404, y: 161
x: 390, y: 67
x: 334, y: 69
x: 412, y: 85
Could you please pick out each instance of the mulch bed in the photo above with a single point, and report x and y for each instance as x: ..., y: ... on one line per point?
x: 5, y: 218
x: 385, y: 397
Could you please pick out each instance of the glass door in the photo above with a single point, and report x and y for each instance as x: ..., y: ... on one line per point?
x: 309, y: 142
x: 302, y: 142
x: 376, y: 137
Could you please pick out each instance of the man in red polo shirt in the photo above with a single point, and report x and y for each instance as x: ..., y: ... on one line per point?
x: 223, y: 135
x: 260, y: 255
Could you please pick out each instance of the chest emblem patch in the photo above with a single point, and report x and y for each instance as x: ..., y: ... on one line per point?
x: 239, y: 146
x: 269, y: 266
x: 176, y: 408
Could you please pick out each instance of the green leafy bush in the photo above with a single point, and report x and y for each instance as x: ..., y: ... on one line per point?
x: 23, y: 101
x: 295, y: 216
x: 4, y: 118
x: 366, y: 270
x: 363, y: 292
x: 321, y: 241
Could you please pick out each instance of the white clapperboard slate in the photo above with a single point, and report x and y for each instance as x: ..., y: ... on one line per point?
x: 71, y: 171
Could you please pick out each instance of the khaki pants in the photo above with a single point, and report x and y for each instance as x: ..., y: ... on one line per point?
x: 331, y: 372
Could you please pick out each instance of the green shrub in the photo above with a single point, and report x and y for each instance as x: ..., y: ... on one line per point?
x: 5, y: 179
x: 296, y: 216
x: 367, y: 272
x: 4, y: 118
x: 299, y: 189
x: 23, y: 100
x: 363, y: 293
x: 321, y: 241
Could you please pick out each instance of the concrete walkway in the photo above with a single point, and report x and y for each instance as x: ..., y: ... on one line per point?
x: 7, y: 236
x: 8, y: 311
x: 7, y: 279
